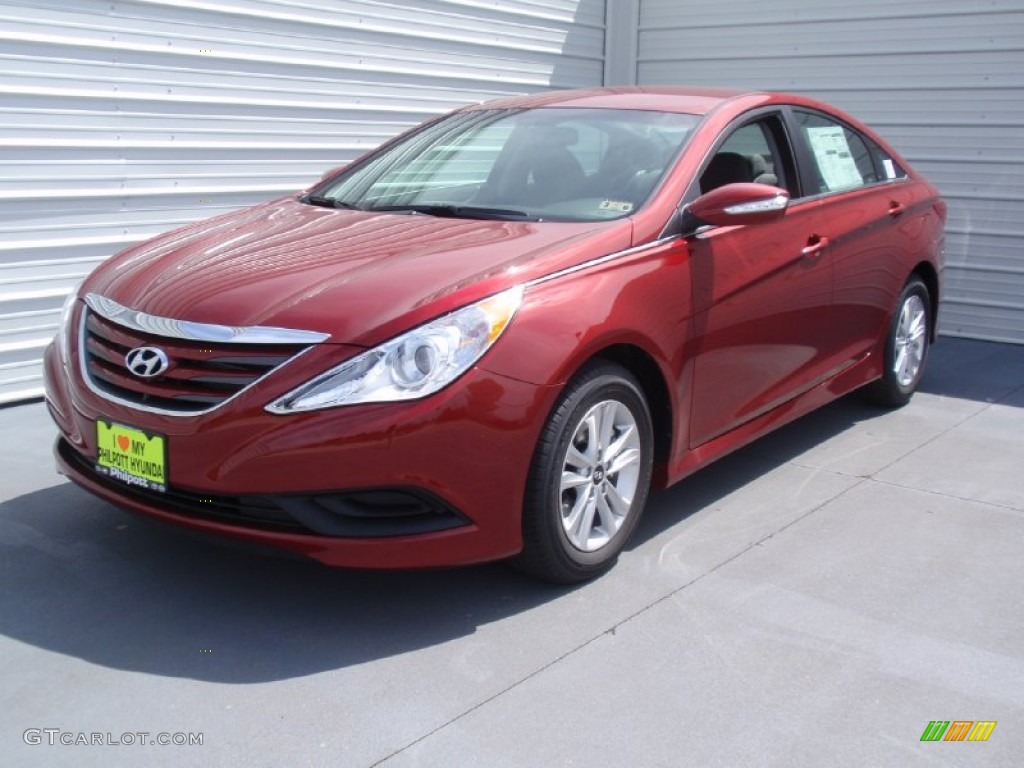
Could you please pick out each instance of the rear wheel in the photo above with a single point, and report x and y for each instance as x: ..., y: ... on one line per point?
x: 906, y: 347
x: 589, y: 478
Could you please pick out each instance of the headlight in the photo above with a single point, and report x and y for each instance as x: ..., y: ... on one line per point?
x: 413, y: 365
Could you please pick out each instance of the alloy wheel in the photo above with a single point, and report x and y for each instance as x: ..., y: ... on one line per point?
x: 910, y: 341
x: 600, y: 475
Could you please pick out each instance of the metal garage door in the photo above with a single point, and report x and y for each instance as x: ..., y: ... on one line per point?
x: 942, y: 79
x: 122, y: 119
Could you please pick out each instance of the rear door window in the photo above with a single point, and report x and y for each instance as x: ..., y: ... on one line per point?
x: 841, y: 157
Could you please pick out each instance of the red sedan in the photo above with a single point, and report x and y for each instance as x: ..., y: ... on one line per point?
x: 490, y: 336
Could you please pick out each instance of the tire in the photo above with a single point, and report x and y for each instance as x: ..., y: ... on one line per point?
x: 906, y: 347
x: 583, y: 501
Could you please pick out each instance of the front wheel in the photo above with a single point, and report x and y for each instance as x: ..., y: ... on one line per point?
x: 589, y: 478
x: 906, y: 347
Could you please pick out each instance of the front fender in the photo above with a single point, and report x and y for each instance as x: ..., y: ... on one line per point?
x: 641, y: 300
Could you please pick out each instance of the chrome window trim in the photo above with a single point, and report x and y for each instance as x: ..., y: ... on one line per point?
x: 615, y: 255
x: 190, y: 331
x: 875, y: 185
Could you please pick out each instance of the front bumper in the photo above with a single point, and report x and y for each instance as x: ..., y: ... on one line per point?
x: 318, y: 484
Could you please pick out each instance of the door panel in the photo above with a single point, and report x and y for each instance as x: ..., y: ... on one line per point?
x: 761, y: 310
x: 867, y: 250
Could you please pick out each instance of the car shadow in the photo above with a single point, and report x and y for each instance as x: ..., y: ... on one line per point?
x: 82, y: 579
x: 983, y: 371
x: 707, y: 487
x: 964, y: 369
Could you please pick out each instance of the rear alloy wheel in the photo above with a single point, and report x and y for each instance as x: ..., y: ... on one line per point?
x: 589, y: 479
x: 906, y: 348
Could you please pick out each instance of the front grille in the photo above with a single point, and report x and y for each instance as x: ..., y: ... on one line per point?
x: 356, y: 514
x: 201, y: 375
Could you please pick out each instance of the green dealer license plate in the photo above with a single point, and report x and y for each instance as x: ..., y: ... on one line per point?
x: 131, y: 456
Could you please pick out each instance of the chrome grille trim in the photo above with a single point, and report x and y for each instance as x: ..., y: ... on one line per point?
x: 290, y: 337
x: 189, y: 331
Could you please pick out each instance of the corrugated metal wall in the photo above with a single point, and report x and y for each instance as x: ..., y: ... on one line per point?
x: 125, y: 118
x: 942, y: 79
x: 122, y: 119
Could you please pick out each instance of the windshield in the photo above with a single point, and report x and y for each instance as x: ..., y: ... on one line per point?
x: 551, y: 163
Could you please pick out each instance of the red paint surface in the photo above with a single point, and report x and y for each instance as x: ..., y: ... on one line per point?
x: 744, y: 326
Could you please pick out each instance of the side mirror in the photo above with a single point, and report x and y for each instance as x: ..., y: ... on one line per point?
x: 734, y: 204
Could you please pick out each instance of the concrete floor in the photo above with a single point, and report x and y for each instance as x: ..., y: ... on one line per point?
x: 813, y: 600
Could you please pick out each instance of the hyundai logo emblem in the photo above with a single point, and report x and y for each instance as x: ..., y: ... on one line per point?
x: 147, y: 362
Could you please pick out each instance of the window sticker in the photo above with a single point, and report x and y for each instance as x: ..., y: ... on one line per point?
x: 618, y: 206
x: 835, y: 161
x: 890, y: 170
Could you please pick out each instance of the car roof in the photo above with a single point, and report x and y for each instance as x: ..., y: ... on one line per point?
x: 694, y: 101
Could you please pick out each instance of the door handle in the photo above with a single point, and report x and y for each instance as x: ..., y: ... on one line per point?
x: 896, y: 208
x: 815, y: 245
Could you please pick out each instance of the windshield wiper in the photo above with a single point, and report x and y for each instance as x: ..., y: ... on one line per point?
x: 330, y: 202
x: 457, y: 211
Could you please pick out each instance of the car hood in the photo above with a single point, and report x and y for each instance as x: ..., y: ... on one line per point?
x: 358, y: 276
